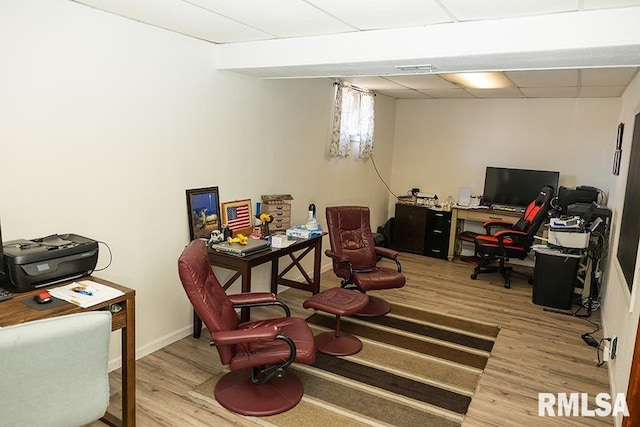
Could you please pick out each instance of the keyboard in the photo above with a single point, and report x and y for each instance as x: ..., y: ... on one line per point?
x: 507, y: 208
x: 5, y: 294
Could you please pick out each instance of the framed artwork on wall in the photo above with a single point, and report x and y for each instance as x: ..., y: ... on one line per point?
x: 203, y: 208
x: 617, y: 155
x: 237, y: 215
x: 629, y: 224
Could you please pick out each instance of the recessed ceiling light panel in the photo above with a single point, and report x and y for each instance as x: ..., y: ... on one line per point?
x: 479, y: 80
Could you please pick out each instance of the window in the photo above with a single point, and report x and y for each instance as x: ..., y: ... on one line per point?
x: 353, y: 120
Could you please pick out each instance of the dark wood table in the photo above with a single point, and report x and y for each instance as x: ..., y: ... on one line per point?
x: 14, y: 311
x: 243, y: 266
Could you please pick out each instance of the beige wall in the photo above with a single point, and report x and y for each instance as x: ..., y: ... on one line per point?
x: 621, y: 308
x: 106, y: 122
x: 442, y: 145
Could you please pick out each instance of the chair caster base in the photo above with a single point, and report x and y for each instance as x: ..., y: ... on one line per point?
x: 236, y: 392
x: 375, y: 307
x: 343, y: 345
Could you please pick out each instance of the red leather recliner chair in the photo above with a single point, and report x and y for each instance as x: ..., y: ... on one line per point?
x: 505, y: 240
x: 257, y: 352
x: 354, y: 256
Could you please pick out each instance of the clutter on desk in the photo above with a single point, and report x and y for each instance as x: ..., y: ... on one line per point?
x: 280, y: 241
x: 279, y: 207
x: 301, y: 231
x: 85, y: 293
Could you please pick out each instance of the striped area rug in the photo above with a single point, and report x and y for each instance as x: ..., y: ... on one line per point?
x: 416, y: 368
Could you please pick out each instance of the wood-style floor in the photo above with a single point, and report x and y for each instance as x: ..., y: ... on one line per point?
x: 536, y: 351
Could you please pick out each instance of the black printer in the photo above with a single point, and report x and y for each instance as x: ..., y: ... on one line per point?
x: 31, y: 264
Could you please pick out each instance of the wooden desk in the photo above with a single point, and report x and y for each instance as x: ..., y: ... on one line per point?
x: 243, y: 266
x: 459, y: 215
x: 14, y: 311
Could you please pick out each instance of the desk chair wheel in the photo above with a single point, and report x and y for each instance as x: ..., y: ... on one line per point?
x: 530, y: 281
x: 474, y: 276
x: 507, y: 284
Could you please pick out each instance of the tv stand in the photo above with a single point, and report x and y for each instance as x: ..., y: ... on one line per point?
x: 459, y: 215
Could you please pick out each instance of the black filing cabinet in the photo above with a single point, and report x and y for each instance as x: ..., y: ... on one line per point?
x: 420, y: 230
x: 436, y: 239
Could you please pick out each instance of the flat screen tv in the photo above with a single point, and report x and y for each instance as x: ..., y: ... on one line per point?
x: 516, y: 187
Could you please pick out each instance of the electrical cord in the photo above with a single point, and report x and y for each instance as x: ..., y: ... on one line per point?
x: 599, y: 350
x: 110, y: 256
x: 379, y: 176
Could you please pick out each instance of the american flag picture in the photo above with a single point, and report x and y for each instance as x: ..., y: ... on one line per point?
x: 238, y: 217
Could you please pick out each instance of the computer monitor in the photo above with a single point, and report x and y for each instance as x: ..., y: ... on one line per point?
x: 516, y: 187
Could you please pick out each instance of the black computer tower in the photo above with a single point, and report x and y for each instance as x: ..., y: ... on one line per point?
x: 554, y: 278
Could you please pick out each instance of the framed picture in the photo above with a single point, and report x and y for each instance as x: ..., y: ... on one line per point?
x: 617, y: 155
x: 237, y: 215
x: 203, y: 207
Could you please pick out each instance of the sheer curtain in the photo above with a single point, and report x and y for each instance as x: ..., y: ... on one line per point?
x: 353, y: 122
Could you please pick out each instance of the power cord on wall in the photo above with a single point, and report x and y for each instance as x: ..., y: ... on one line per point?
x: 380, y: 176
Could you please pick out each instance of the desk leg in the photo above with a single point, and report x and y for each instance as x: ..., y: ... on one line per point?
x: 317, y: 259
x: 274, y: 276
x: 246, y: 287
x: 197, y: 325
x: 129, y: 366
x: 453, y: 233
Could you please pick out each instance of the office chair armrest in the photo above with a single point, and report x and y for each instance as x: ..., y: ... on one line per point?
x: 252, y: 298
x: 257, y: 299
x: 335, y: 256
x: 389, y: 254
x: 386, y: 253
x: 239, y: 336
x: 518, y: 236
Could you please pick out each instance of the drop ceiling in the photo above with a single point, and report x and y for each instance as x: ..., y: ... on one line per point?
x: 547, y: 48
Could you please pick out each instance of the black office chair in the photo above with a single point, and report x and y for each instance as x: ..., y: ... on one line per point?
x: 504, y: 240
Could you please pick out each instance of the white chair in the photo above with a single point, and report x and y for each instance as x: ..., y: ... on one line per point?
x: 53, y: 372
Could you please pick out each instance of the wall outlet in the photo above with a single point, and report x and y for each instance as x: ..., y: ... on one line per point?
x: 613, y: 350
x: 606, y: 351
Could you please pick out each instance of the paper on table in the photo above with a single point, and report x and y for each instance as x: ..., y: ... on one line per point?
x: 85, y: 293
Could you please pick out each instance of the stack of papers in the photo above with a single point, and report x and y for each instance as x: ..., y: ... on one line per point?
x: 85, y: 293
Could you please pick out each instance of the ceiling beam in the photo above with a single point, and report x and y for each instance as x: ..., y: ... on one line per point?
x: 595, y: 38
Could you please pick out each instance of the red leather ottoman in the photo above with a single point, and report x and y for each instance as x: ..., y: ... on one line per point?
x: 341, y: 302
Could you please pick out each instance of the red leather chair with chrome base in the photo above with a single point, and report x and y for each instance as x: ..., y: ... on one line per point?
x: 354, y: 256
x: 257, y: 352
x: 505, y: 240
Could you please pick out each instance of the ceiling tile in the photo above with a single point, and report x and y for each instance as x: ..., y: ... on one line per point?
x: 468, y: 10
x: 372, y: 83
x: 181, y: 17
x: 550, y: 92
x: 424, y: 81
x: 544, y: 78
x: 601, y: 92
x: 448, y: 93
x: 403, y: 94
x: 608, y: 4
x: 607, y: 76
x: 378, y: 14
x: 283, y: 18
x: 509, y: 92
